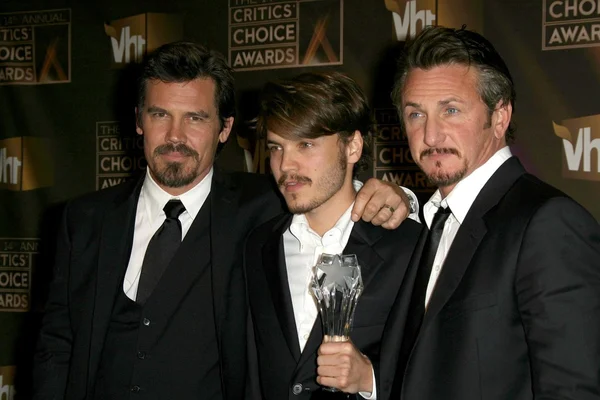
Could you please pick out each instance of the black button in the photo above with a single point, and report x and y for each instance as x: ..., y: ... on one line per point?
x: 297, y: 388
x: 135, y: 388
x: 141, y: 355
x: 146, y: 321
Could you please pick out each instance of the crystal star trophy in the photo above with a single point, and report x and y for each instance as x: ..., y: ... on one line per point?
x: 336, y: 284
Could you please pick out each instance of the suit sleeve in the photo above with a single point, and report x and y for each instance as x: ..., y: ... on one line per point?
x: 558, y: 293
x: 53, y: 351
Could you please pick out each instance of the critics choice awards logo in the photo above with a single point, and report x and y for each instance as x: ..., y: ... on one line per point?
x: 392, y: 160
x: 35, y: 47
x: 17, y: 259
x: 268, y: 34
x: 118, y: 157
x: 570, y: 24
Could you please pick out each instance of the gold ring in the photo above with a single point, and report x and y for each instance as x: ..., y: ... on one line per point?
x: 392, y: 209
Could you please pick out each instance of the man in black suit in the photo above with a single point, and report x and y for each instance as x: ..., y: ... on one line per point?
x: 318, y: 127
x: 506, y: 296
x: 148, y: 298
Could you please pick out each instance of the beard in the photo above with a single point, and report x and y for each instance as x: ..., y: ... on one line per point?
x: 327, y: 186
x: 439, y: 178
x: 175, y: 174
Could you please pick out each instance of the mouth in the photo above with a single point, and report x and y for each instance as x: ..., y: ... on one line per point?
x: 292, y: 185
x: 175, y: 155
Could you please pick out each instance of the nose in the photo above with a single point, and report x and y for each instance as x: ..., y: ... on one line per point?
x: 175, y: 132
x: 434, y: 135
x: 288, y: 161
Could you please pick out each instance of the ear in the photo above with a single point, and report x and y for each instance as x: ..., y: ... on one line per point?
x: 138, y: 127
x: 501, y: 119
x: 354, y: 148
x: 224, y: 134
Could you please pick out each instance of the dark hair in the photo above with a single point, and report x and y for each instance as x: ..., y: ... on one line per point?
x: 437, y: 46
x: 184, y: 62
x: 317, y: 104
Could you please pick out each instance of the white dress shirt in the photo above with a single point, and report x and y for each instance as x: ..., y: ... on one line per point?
x: 150, y: 216
x: 459, y: 200
x: 302, y: 248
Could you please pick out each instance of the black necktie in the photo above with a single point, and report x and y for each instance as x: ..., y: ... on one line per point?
x: 161, y: 249
x: 417, y: 300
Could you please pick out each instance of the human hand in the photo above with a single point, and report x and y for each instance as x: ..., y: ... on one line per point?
x: 342, y: 366
x: 381, y: 203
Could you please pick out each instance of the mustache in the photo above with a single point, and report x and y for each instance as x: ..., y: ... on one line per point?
x: 175, y: 148
x: 298, y: 178
x: 445, y: 150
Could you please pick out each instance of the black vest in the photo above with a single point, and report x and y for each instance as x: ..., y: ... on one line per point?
x: 149, y: 354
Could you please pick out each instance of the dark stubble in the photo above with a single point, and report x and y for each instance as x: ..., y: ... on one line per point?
x: 175, y: 174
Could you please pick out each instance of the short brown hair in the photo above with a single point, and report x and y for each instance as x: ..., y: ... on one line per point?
x: 317, y: 104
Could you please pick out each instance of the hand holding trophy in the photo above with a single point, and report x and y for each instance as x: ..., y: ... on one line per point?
x: 336, y: 283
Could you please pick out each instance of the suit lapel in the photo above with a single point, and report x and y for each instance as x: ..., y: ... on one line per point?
x: 116, y: 239
x: 276, y: 274
x: 361, y: 242
x: 469, y: 236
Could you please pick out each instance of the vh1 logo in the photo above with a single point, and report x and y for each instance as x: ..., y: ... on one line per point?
x: 132, y: 37
x: 26, y: 163
x: 581, y: 147
x: 411, y: 15
x: 7, y: 383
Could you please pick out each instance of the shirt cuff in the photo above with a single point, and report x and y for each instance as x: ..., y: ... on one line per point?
x: 373, y: 395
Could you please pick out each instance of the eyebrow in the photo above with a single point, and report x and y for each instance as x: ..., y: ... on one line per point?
x: 269, y: 141
x: 450, y: 100
x: 153, y: 109
x: 199, y: 114
x: 441, y: 102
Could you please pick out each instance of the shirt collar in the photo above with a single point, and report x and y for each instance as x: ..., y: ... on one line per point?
x: 461, y: 198
x: 300, y: 224
x: 156, y: 198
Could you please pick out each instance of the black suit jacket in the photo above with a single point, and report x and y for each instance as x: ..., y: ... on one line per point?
x: 94, y: 244
x: 283, y: 371
x: 515, y: 313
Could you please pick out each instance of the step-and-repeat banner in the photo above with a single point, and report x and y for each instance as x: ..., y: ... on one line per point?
x: 67, y: 74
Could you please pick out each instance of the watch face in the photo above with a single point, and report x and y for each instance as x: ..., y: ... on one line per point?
x: 412, y: 204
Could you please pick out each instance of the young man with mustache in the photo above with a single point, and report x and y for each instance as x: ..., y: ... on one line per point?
x: 318, y: 128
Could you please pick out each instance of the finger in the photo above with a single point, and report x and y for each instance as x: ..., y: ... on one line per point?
x: 324, y: 361
x: 395, y: 220
x: 360, y: 202
x: 397, y: 217
x: 330, y: 371
x: 329, y: 382
x: 330, y: 348
x: 372, y: 208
